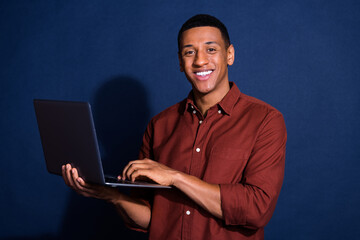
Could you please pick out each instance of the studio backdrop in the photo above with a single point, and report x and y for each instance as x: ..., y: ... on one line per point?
x: 302, y: 57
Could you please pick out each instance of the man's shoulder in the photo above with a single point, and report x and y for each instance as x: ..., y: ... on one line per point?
x: 173, y: 111
x: 259, y: 106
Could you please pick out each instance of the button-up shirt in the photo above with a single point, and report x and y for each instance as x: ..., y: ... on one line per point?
x: 239, y: 145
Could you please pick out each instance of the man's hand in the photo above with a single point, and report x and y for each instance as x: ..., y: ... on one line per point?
x: 205, y: 194
x: 72, y: 179
x: 149, y: 169
x: 135, y: 212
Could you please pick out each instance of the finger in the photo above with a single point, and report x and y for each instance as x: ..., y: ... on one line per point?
x: 75, y: 178
x: 84, y: 188
x: 81, y: 185
x: 134, y: 175
x: 131, y: 164
x: 69, y: 176
x: 135, y: 167
x: 130, y: 169
x: 147, y: 160
x: 126, y: 169
x: 63, y: 172
x: 140, y: 174
x: 94, y: 190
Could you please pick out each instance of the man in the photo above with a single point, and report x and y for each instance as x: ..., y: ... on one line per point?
x: 222, y: 151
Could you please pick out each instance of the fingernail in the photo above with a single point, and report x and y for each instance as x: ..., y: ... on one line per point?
x: 73, y: 171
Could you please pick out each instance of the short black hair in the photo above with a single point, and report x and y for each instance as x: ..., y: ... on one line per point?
x: 204, y: 20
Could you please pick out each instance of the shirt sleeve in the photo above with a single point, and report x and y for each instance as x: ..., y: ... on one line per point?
x: 251, y: 203
x: 147, y: 142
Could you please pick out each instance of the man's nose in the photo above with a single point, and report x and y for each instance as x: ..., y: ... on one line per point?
x: 200, y: 59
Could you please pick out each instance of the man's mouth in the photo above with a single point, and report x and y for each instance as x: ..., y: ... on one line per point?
x: 204, y: 73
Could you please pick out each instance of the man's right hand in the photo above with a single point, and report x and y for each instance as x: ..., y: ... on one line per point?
x: 135, y: 212
x: 72, y: 179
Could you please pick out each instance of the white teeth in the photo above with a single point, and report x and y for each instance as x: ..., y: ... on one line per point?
x: 204, y: 73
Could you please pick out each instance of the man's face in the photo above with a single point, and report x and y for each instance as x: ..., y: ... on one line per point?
x: 204, y: 59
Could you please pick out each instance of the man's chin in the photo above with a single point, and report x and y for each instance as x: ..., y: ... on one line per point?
x: 202, y: 90
x: 201, y: 87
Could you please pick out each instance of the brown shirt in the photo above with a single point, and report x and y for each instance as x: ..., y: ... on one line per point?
x: 240, y: 145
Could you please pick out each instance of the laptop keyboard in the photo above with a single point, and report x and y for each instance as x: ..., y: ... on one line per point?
x: 112, y: 179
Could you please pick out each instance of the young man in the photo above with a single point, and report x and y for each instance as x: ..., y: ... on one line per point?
x: 222, y: 151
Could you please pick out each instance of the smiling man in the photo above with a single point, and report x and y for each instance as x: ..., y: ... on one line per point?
x: 204, y: 56
x: 223, y: 152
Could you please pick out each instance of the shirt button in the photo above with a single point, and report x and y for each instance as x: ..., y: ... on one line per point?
x: 219, y: 111
x: 192, y: 106
x: 188, y: 212
x: 198, y: 149
x: 194, y: 111
x: 200, y: 122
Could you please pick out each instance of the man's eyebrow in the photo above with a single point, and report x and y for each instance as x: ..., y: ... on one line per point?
x: 207, y: 43
x: 189, y: 45
x: 212, y: 42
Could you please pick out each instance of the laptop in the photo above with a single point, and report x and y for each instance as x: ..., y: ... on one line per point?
x: 68, y: 135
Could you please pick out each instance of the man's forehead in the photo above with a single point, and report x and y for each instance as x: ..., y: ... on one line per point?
x: 204, y: 35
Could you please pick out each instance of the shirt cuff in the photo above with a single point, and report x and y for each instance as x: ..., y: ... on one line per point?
x: 232, y: 204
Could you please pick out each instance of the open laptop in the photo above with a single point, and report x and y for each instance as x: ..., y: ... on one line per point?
x: 68, y: 135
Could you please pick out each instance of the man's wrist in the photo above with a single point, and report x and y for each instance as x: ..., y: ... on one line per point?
x: 114, y: 196
x: 178, y: 179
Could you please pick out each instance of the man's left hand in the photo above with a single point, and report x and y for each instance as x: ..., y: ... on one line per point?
x: 150, y: 169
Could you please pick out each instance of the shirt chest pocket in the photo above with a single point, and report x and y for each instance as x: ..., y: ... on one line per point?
x: 225, y: 165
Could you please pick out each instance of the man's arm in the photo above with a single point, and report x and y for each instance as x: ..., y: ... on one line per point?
x: 252, y: 202
x: 249, y: 203
x: 135, y: 212
x: 204, y: 194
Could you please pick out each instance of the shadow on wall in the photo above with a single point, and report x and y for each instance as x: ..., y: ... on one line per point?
x: 121, y: 114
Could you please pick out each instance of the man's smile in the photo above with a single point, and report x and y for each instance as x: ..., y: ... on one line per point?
x: 204, y: 73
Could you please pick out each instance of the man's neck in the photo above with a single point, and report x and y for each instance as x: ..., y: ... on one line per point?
x: 205, y: 101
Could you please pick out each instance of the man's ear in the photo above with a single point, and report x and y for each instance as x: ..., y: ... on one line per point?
x: 180, y: 63
x: 230, y: 55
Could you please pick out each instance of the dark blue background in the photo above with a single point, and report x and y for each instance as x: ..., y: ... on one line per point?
x: 300, y: 56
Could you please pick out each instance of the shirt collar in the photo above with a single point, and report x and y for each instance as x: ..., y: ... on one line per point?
x: 226, y: 104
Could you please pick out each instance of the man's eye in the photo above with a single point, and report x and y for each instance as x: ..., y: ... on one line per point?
x: 211, y: 50
x: 189, y: 52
